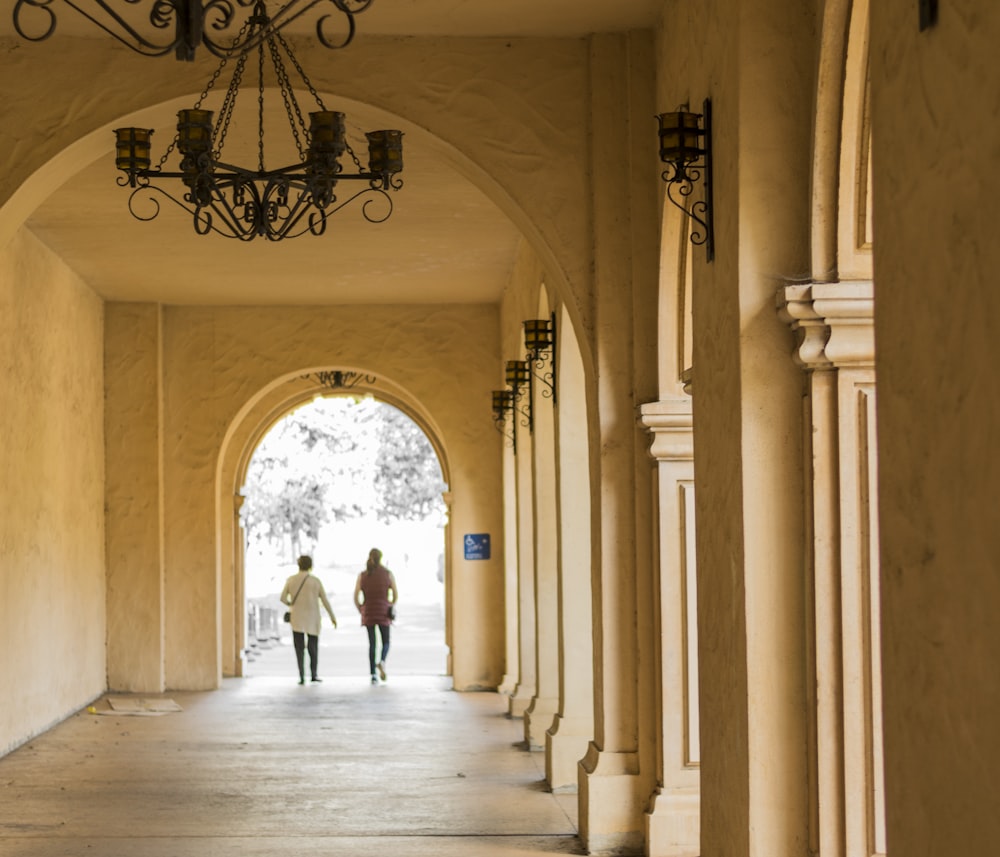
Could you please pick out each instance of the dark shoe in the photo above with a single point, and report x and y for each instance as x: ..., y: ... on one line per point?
x: 302, y: 681
x: 316, y: 678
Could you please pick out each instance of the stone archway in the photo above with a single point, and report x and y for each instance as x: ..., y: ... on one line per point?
x: 257, y: 418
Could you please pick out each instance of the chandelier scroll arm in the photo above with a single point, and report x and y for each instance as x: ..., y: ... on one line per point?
x: 139, y: 43
x: 195, y: 23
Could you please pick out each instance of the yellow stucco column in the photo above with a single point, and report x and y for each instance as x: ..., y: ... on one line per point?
x: 573, y: 726
x: 526, y: 662
x: 133, y: 418
x: 538, y: 717
x: 512, y: 631
x: 615, y: 779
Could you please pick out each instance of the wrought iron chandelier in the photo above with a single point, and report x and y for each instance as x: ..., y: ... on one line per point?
x: 337, y: 379
x: 247, y: 203
x: 194, y: 22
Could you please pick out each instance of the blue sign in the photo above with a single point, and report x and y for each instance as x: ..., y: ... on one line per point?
x: 477, y: 546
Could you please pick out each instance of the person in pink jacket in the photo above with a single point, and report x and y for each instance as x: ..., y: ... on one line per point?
x: 375, y: 596
x: 303, y: 592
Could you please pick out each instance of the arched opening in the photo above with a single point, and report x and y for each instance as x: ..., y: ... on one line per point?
x: 297, y: 398
x: 331, y: 479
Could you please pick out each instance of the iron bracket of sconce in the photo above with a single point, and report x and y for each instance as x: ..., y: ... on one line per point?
x: 503, y: 404
x: 519, y: 379
x: 540, y: 344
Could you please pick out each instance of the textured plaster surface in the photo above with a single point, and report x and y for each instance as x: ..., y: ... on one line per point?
x: 134, y: 496
x: 52, y: 610
x: 217, y: 361
x: 936, y: 310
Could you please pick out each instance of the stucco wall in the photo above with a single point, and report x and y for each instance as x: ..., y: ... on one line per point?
x: 937, y: 205
x: 52, y: 609
x: 216, y: 362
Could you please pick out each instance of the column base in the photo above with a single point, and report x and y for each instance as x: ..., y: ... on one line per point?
x: 508, y: 685
x: 566, y: 744
x: 538, y: 720
x: 519, y: 701
x: 611, y: 804
x: 673, y: 824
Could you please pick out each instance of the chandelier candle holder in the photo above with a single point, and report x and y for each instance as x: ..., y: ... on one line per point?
x: 248, y: 203
x: 503, y: 404
x: 181, y: 26
x: 686, y: 149
x: 540, y: 343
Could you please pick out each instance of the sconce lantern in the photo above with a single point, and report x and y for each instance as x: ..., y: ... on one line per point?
x: 540, y: 343
x: 518, y: 376
x: 686, y: 149
x: 503, y: 403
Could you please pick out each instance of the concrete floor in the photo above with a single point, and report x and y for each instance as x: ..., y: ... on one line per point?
x: 266, y: 767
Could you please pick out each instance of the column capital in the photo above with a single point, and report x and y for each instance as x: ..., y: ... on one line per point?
x: 671, y: 424
x: 834, y: 323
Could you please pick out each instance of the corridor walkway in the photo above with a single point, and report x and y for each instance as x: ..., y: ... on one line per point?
x: 266, y: 767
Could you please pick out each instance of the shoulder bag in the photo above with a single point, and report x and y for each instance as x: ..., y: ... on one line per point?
x: 288, y: 613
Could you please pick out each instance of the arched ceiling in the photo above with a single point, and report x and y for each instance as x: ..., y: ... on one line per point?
x: 446, y: 242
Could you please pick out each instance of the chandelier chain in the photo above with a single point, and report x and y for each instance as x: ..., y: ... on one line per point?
x: 298, y: 67
x: 290, y: 101
x: 260, y: 108
x: 354, y: 157
x: 312, y: 91
x: 166, y: 154
x: 228, y: 105
x: 204, y: 94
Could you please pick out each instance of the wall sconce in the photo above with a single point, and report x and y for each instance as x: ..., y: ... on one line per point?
x: 540, y: 343
x: 686, y: 149
x: 503, y: 403
x: 518, y: 377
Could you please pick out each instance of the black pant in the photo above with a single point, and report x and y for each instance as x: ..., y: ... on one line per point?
x: 298, y: 639
x: 383, y: 631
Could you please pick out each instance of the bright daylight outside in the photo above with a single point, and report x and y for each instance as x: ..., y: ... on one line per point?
x: 334, y: 479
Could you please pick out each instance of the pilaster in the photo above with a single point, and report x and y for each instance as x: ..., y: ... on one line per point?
x: 836, y: 347
x: 133, y: 426
x: 573, y: 726
x: 673, y: 823
x: 524, y: 691
x: 545, y: 704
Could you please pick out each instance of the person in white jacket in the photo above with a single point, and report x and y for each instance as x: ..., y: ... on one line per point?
x: 303, y: 592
